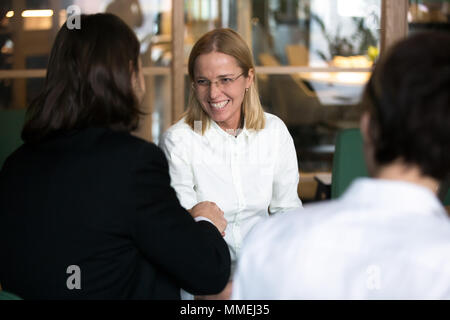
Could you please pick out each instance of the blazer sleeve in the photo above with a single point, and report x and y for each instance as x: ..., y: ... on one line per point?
x: 193, y: 253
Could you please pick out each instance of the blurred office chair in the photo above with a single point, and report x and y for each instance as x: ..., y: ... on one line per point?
x: 446, y: 200
x: 444, y: 193
x: 8, y: 296
x: 348, y: 161
x: 11, y: 124
x: 297, y: 55
x: 349, y: 164
x: 294, y: 101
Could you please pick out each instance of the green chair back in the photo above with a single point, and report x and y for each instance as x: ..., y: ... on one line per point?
x: 447, y: 198
x: 444, y: 193
x: 8, y: 296
x: 348, y: 161
x: 349, y: 164
x: 11, y: 124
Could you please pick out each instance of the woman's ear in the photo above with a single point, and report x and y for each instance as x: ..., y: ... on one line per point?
x: 250, y: 78
x: 138, y: 81
x: 368, y: 143
x: 364, y: 125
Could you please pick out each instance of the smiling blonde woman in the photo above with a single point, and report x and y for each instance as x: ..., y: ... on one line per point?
x: 226, y: 149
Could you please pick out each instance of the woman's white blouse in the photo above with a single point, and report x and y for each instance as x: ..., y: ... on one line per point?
x: 247, y: 176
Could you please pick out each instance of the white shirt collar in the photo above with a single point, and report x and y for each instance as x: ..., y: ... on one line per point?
x: 408, y: 197
x: 215, y: 129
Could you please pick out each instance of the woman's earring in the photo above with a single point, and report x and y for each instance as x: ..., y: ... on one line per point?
x: 246, y: 90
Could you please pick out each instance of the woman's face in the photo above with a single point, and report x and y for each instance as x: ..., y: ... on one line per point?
x: 220, y: 85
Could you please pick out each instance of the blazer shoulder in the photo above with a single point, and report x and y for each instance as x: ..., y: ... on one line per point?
x: 123, y: 147
x: 127, y: 141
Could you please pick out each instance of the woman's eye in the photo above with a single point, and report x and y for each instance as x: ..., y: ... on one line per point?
x: 225, y: 80
x: 202, y: 82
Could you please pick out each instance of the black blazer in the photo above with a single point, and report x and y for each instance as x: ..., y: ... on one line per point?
x: 102, y: 201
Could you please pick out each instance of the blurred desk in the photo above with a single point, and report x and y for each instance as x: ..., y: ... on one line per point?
x: 337, y: 78
x: 339, y: 88
x: 323, y: 191
x: 341, y: 124
x: 308, y: 185
x: 334, y: 88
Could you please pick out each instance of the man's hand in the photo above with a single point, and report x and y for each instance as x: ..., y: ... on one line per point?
x: 211, y: 211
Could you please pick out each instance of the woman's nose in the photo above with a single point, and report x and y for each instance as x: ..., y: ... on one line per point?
x: 214, y: 90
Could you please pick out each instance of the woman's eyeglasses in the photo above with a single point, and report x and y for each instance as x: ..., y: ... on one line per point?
x: 222, y: 83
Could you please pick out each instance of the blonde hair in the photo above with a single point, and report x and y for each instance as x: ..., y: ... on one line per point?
x: 229, y: 42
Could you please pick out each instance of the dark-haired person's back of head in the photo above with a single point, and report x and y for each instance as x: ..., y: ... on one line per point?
x: 86, y: 209
x: 92, y: 80
x: 388, y: 236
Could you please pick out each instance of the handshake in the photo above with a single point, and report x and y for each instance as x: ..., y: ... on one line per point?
x: 211, y: 211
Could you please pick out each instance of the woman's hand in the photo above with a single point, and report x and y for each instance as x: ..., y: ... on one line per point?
x: 211, y: 211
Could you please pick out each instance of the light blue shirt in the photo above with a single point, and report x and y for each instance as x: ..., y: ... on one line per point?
x: 383, y: 239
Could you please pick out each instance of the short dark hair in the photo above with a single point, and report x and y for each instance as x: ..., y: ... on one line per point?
x: 408, y: 97
x: 88, y: 81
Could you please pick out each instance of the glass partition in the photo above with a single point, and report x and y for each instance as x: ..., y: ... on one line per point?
x: 305, y: 43
x: 292, y: 32
x: 429, y: 15
x: 28, y: 29
x: 313, y: 57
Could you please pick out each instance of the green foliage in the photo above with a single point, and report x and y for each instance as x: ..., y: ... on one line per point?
x: 338, y: 45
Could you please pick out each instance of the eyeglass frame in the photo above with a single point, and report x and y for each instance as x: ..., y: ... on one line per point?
x: 209, y: 82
